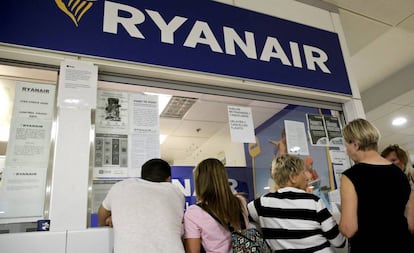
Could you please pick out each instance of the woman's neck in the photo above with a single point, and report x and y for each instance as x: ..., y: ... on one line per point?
x: 371, y: 157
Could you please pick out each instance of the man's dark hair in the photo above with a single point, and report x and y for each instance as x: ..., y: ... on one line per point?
x: 155, y: 170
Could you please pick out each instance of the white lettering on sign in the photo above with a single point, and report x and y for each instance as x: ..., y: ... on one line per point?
x: 186, y: 187
x: 201, y: 33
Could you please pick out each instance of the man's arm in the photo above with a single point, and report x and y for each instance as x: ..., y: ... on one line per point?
x: 104, y: 217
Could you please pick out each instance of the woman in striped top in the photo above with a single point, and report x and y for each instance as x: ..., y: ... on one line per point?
x: 291, y: 219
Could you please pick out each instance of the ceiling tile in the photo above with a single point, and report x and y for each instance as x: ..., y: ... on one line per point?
x: 198, y: 129
x: 405, y: 99
x: 168, y: 125
x: 360, y: 31
x: 389, y: 12
x: 382, y: 111
x: 408, y: 24
x: 385, y: 56
x: 207, y: 111
x: 384, y: 124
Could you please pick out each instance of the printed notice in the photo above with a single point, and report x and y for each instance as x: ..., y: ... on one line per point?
x: 30, y: 143
x: 317, y: 130
x: 144, y: 131
x: 34, y: 101
x: 334, y: 131
x: 112, y: 112
x: 296, y: 138
x: 77, y: 84
x: 22, y: 193
x: 30, y: 129
x: 144, y: 147
x: 340, y: 163
x: 111, y: 156
x: 23, y: 180
x: 241, y: 124
x: 144, y: 114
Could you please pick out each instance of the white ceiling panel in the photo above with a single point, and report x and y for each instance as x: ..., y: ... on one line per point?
x: 408, y: 24
x: 384, y: 123
x: 207, y: 111
x: 389, y: 12
x: 383, y: 57
x: 198, y: 129
x: 406, y: 99
x: 168, y: 126
x: 366, y: 29
x: 382, y: 111
x: 260, y: 114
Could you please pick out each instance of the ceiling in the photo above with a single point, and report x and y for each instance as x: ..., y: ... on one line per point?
x: 380, y: 38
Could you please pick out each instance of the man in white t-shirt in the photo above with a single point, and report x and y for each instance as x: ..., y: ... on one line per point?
x: 146, y: 213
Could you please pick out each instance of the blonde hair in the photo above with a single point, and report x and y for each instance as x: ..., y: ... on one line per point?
x: 362, y: 132
x: 285, y: 166
x: 214, y: 193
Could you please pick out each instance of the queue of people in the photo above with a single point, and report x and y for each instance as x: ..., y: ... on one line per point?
x: 374, y: 195
x: 147, y: 214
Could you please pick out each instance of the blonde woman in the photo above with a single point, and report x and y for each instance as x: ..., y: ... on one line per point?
x: 374, y: 195
x: 399, y: 157
x: 213, y: 194
x: 291, y: 219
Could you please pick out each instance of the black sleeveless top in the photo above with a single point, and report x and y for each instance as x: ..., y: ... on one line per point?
x: 383, y: 192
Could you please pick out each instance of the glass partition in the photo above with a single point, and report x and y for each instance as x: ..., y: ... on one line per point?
x: 192, y: 126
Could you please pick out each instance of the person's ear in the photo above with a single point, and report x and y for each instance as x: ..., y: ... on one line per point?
x: 292, y: 178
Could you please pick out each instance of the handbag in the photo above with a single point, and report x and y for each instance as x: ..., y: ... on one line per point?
x: 245, y: 240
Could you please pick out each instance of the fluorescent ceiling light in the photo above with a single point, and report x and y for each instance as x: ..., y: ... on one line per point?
x: 399, y: 121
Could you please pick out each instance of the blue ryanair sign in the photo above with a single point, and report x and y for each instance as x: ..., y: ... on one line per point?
x: 203, y: 36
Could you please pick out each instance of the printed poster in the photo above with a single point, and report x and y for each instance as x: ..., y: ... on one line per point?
x: 317, y: 130
x: 23, y: 178
x: 111, y: 155
x: 144, y: 131
x: 334, y: 131
x: 77, y: 84
x: 112, y: 112
x: 241, y: 124
x: 296, y: 138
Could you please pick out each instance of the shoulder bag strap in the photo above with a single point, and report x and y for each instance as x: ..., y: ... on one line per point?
x: 211, y: 214
x: 242, y: 222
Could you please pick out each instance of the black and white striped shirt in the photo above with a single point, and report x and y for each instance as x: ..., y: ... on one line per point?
x: 293, y: 220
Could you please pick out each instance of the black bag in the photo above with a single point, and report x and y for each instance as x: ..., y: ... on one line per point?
x: 246, y: 240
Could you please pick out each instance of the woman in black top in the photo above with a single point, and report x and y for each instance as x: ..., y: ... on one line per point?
x: 374, y: 195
